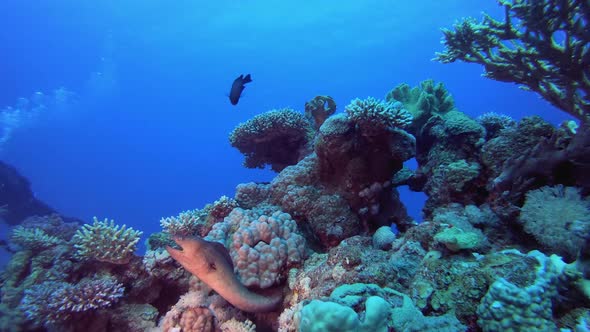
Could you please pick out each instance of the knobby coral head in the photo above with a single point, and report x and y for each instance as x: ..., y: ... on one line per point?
x: 211, y: 263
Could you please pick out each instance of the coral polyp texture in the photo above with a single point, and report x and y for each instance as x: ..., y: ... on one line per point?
x: 525, y: 48
x: 263, y: 247
x: 558, y: 217
x: 187, y: 223
x: 106, y: 242
x: 33, y: 238
x: 278, y: 138
x: 198, y: 222
x: 54, y: 303
x: 374, y: 116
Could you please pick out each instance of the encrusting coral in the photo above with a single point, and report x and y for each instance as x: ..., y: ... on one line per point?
x: 106, y: 242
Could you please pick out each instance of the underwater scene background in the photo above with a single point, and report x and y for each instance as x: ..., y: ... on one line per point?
x: 370, y: 177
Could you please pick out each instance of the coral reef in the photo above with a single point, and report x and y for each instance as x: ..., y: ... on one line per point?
x: 327, y: 244
x: 558, y: 218
x: 524, y: 49
x: 106, y: 242
x: 383, y: 238
x: 33, y: 238
x: 278, y: 138
x: 262, y: 247
x: 199, y: 221
x: 52, y: 303
x: 373, y: 116
x: 319, y: 109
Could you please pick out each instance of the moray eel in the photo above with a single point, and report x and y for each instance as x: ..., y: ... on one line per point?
x: 211, y: 263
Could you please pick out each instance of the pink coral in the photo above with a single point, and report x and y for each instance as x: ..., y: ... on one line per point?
x: 262, y: 246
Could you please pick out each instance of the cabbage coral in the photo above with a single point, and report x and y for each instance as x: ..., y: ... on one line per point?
x: 106, y: 242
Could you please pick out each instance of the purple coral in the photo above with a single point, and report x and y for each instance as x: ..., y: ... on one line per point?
x: 54, y: 303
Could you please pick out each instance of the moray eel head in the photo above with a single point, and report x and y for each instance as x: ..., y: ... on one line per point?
x: 211, y: 263
x: 200, y: 257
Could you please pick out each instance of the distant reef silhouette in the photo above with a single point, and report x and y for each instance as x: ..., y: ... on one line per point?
x: 17, y: 201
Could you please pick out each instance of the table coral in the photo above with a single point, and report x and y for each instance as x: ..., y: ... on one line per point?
x: 278, y: 138
x: 374, y: 116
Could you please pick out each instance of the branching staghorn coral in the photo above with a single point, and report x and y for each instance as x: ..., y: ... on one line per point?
x: 33, y: 238
x: 187, y: 223
x: 198, y: 222
x: 106, y: 242
x: 542, y: 45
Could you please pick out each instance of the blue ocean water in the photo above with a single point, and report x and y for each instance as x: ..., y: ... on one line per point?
x: 143, y: 131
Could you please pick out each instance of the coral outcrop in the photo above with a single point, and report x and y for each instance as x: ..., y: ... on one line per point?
x: 278, y: 138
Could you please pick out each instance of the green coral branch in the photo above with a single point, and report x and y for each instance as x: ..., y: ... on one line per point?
x: 106, y: 242
x: 542, y: 45
x: 33, y: 238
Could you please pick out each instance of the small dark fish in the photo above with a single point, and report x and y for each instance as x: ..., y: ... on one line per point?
x: 237, y: 87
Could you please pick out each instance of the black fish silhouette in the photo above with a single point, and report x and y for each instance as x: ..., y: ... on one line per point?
x: 237, y: 87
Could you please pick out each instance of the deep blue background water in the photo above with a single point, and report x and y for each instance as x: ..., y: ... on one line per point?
x: 146, y: 136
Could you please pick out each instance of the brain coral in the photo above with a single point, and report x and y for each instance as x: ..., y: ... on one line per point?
x: 278, y: 138
x: 106, y: 242
x: 262, y: 246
